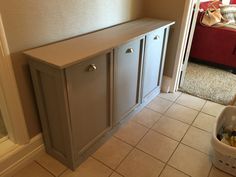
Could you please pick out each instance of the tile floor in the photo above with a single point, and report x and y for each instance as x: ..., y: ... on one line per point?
x: 169, y: 138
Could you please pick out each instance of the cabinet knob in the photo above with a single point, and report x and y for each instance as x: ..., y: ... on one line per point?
x: 156, y: 37
x: 130, y: 50
x: 92, y: 67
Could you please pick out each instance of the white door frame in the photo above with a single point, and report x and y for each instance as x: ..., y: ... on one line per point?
x: 189, y: 43
x: 9, y: 97
x: 185, y: 25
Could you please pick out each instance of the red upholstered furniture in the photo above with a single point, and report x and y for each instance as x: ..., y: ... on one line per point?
x: 216, y: 45
x: 233, y: 2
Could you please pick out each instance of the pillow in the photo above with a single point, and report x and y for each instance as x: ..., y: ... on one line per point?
x: 229, y: 13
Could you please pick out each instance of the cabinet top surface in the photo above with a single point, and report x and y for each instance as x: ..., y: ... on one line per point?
x: 66, y: 53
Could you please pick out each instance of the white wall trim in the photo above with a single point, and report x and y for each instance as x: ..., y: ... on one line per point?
x: 185, y: 25
x: 21, y: 156
x: 166, y: 84
x: 10, y: 100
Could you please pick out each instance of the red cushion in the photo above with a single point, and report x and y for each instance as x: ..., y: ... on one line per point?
x: 233, y: 2
x: 217, y: 45
x: 205, y: 5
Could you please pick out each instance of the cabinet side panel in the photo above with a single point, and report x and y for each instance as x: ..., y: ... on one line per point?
x: 51, y: 97
x: 52, y: 105
x: 89, y: 100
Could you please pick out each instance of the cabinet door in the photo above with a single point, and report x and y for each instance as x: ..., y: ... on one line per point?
x: 152, y: 61
x: 89, y: 100
x: 127, y: 63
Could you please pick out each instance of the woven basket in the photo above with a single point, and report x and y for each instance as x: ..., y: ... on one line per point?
x: 224, y: 156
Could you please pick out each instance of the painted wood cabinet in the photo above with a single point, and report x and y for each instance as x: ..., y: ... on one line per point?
x: 74, y: 105
x: 127, y: 72
x: 154, y: 58
x: 86, y: 85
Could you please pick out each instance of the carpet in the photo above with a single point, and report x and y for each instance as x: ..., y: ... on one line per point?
x: 210, y: 83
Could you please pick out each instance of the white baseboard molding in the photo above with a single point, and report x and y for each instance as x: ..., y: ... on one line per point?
x: 166, y: 84
x: 21, y: 156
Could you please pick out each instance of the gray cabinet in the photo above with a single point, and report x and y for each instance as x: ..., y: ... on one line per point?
x: 74, y: 105
x: 86, y: 84
x: 127, y: 70
x: 153, y: 61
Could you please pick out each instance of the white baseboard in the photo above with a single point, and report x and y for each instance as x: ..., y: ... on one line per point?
x: 21, y: 156
x: 166, y: 84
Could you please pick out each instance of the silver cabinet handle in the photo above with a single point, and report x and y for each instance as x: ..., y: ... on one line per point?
x: 156, y: 37
x: 92, y: 67
x: 130, y: 50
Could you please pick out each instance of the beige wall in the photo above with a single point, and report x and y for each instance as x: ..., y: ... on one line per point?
x: 169, y: 10
x: 31, y: 23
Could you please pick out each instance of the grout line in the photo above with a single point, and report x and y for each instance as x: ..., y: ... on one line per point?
x: 161, y: 116
x: 178, y: 119
x: 156, y: 131
x: 170, y: 99
x: 177, y: 170
x: 62, y: 172
x: 210, y: 171
x: 105, y: 165
x: 155, y: 110
x: 46, y: 168
x: 151, y: 129
x: 196, y: 149
x: 178, y: 144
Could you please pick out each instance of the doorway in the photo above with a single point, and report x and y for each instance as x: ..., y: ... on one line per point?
x: 206, y: 73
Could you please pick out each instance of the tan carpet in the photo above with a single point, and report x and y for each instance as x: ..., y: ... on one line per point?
x: 210, y: 83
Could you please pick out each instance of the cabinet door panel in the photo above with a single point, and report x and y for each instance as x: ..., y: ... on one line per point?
x: 152, y: 61
x: 126, y: 83
x: 89, y: 100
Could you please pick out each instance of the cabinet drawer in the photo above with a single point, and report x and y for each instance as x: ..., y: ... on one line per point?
x: 89, y: 99
x: 126, y: 81
x: 153, y: 61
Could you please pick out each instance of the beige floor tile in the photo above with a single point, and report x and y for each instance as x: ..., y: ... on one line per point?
x: 205, y: 122
x: 213, y: 109
x: 90, y: 168
x: 139, y: 164
x: 115, y: 175
x: 170, y: 96
x: 171, y: 128
x: 159, y: 104
x: 171, y: 172
x: 157, y: 145
x: 198, y: 139
x: 182, y: 113
x: 190, y: 161
x: 131, y: 132
x: 112, y: 152
x: 51, y: 164
x: 147, y: 117
x: 218, y: 173
x: 33, y: 170
x: 191, y: 101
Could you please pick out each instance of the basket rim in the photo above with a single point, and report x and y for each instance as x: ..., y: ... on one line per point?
x: 217, y: 144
